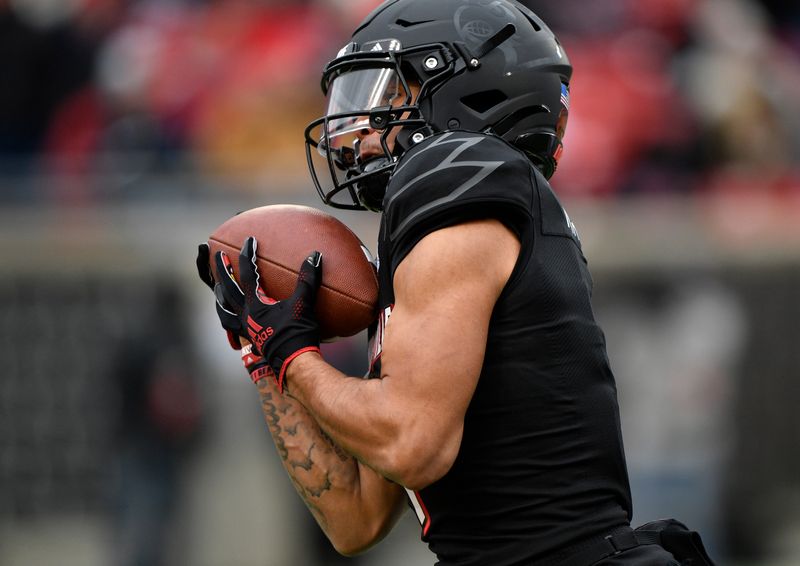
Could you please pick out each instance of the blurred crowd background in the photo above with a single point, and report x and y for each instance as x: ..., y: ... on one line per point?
x: 129, y: 129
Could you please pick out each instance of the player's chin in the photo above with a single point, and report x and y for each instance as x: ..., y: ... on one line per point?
x: 370, y: 150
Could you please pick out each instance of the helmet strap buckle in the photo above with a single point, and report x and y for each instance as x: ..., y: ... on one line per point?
x: 473, y: 58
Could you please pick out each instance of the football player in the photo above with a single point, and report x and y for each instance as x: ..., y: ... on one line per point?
x: 492, y: 411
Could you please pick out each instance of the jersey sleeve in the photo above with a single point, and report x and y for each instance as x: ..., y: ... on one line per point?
x: 452, y: 178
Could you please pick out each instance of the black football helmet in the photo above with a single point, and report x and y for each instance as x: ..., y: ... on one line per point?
x: 418, y: 67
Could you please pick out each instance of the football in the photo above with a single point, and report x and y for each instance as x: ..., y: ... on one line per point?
x: 286, y: 235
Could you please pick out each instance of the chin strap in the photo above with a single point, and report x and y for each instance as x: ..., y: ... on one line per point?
x: 372, y: 188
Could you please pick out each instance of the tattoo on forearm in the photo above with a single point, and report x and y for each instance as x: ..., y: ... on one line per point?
x: 343, y: 456
x: 306, y: 463
x: 314, y: 462
x: 318, y: 491
x: 271, y: 416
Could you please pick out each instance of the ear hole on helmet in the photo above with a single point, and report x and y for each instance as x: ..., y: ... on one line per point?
x: 482, y: 101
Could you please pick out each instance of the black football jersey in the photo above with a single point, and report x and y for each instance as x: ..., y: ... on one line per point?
x: 541, y: 465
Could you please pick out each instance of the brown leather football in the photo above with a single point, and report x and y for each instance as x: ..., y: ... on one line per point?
x: 286, y: 235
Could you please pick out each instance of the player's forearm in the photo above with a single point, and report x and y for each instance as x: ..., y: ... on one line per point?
x: 327, y: 479
x: 360, y: 417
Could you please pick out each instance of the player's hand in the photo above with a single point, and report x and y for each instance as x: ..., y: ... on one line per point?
x: 230, y: 321
x: 255, y: 364
x: 278, y: 330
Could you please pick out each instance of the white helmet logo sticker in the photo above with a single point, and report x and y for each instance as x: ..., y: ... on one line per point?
x: 382, y: 45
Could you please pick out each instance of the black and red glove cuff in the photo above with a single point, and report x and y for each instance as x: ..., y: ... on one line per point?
x: 259, y: 368
x: 279, y: 366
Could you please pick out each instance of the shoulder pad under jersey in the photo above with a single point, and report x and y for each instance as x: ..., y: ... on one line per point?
x: 450, y: 178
